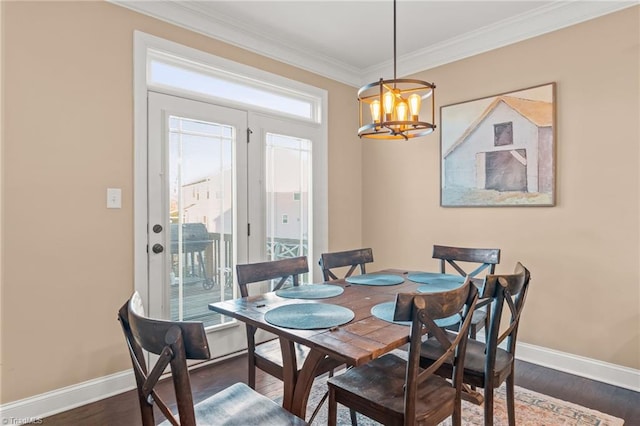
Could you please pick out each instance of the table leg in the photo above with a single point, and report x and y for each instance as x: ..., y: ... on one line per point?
x: 304, y: 382
x: 289, y: 372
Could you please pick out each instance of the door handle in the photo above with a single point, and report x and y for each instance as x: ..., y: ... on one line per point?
x: 157, y: 229
x: 157, y: 248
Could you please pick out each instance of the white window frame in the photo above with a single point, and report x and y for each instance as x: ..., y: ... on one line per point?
x: 144, y: 46
x: 221, y: 69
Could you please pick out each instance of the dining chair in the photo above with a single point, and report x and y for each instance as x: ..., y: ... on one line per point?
x: 395, y: 391
x: 175, y: 342
x: 354, y: 259
x: 484, y: 259
x: 267, y: 356
x: 487, y: 365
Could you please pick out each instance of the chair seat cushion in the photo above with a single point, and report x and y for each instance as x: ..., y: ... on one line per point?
x: 473, y: 362
x: 239, y: 405
x: 381, y: 381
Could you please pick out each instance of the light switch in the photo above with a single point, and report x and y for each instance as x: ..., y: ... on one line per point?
x: 114, y: 198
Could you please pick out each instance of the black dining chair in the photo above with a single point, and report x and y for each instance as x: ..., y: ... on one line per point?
x: 267, y: 356
x: 354, y: 259
x: 395, y: 391
x: 487, y: 365
x: 175, y: 342
x: 482, y: 260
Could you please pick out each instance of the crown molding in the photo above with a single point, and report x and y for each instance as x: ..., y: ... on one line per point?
x: 557, y: 15
x: 192, y: 16
x: 545, y: 19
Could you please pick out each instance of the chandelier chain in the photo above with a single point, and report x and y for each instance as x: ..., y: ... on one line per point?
x: 395, y: 77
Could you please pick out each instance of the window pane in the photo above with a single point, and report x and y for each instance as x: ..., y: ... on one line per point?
x: 200, y: 165
x: 288, y: 186
x: 232, y: 88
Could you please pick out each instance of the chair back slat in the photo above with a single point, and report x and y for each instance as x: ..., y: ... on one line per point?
x: 510, y: 290
x: 174, y: 342
x: 139, y: 366
x: 150, y: 333
x: 488, y: 258
x: 357, y: 258
x: 281, y: 269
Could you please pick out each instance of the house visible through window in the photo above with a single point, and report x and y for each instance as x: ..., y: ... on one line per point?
x: 285, y: 219
x: 296, y: 196
x: 503, y: 134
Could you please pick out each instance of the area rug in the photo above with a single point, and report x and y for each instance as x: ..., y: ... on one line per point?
x: 532, y: 409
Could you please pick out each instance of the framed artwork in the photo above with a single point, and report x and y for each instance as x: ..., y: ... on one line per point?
x: 499, y: 150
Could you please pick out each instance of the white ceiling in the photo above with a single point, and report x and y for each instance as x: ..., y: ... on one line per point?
x: 352, y: 41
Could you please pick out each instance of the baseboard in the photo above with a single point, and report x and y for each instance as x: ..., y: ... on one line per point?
x: 67, y: 398
x: 35, y: 408
x: 613, y: 374
x: 605, y: 372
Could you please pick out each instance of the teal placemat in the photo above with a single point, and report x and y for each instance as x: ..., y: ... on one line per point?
x: 309, y: 316
x: 311, y: 291
x: 385, y: 310
x: 433, y: 277
x: 437, y: 286
x: 375, y: 279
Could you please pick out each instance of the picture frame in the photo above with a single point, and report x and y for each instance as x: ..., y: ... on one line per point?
x: 499, y: 150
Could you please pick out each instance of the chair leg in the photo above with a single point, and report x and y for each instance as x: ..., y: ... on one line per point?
x: 354, y: 417
x: 318, y: 407
x: 511, y: 408
x: 251, y: 380
x: 488, y: 405
x: 332, y: 417
x: 487, y: 319
x: 456, y: 419
x: 322, y: 400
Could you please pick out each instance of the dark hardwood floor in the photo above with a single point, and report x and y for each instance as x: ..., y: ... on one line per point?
x: 123, y: 409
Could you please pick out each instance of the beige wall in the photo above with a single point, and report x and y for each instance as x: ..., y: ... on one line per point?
x: 583, y: 253
x: 68, y: 261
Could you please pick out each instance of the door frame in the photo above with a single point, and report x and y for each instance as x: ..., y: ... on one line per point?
x: 144, y: 43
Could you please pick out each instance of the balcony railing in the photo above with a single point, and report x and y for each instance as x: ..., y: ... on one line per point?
x: 206, y: 263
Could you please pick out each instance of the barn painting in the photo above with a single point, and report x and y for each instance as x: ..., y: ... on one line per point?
x: 499, y: 151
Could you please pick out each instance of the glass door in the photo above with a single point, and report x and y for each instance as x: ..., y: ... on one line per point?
x: 282, y: 225
x: 197, y: 212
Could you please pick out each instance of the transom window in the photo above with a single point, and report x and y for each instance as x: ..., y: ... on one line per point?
x: 166, y: 71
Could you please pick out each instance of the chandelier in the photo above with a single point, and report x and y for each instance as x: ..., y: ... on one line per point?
x: 394, y: 105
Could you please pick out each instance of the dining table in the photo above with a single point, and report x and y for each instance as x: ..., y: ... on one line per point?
x: 355, y: 339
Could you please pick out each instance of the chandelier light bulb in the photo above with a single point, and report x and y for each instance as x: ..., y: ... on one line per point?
x: 414, y: 106
x: 401, y: 110
x: 389, y: 102
x: 375, y: 111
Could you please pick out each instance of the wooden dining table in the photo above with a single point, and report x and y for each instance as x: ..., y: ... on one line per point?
x: 355, y: 343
